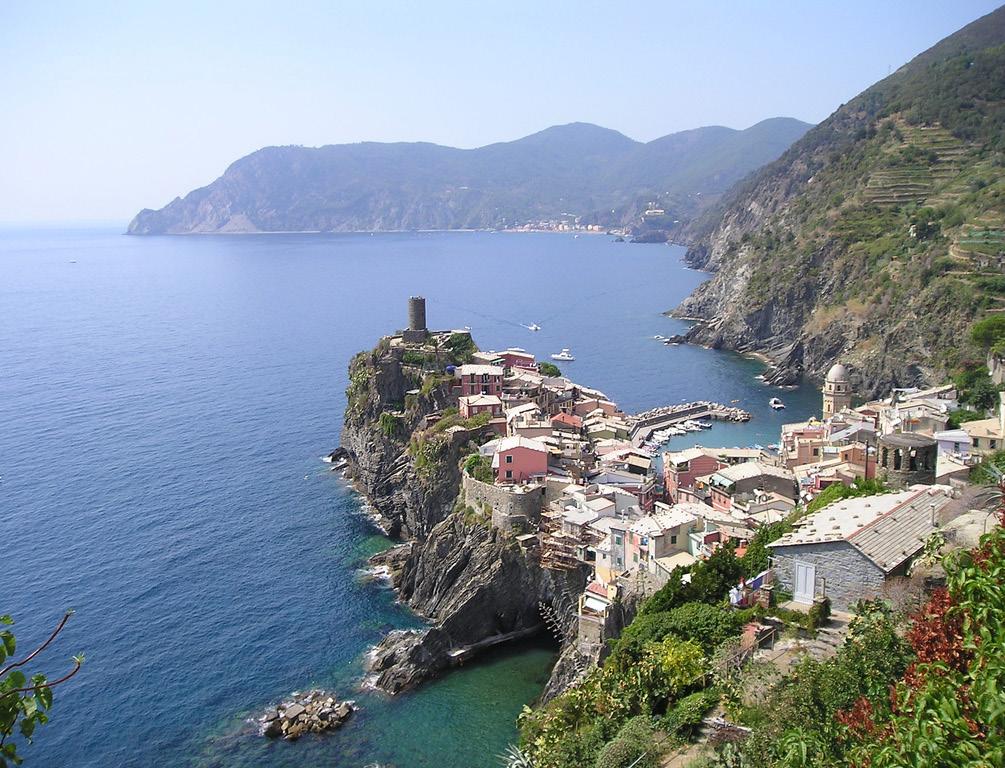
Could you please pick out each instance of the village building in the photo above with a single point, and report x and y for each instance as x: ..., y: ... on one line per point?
x: 658, y: 536
x: 519, y: 459
x: 987, y: 435
x: 472, y: 405
x: 907, y: 459
x: 836, y: 391
x: 850, y: 549
x: 742, y: 481
x: 682, y: 468
x: 480, y: 379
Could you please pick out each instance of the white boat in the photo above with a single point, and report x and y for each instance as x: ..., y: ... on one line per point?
x: 776, y: 403
x: 658, y: 337
x: 565, y: 355
x: 533, y: 327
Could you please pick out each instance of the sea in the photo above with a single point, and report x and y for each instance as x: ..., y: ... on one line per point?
x: 164, y: 404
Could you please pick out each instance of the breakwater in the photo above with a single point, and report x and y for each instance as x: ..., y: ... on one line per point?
x: 644, y: 424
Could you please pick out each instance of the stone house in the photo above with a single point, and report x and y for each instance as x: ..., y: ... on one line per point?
x: 848, y: 550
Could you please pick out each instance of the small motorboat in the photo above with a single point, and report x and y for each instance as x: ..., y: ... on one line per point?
x: 565, y: 355
x: 776, y: 403
x: 533, y: 327
x: 659, y: 337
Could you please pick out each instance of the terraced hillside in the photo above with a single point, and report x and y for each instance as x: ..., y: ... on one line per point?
x: 878, y: 237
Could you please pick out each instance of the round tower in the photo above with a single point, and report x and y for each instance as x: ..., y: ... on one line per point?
x: 836, y: 391
x: 416, y: 313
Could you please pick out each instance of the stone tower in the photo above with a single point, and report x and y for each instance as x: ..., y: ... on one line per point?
x: 416, y: 331
x: 837, y: 391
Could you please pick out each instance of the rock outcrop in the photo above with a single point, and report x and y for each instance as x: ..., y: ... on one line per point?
x: 314, y: 711
x: 388, y: 401
x: 477, y: 587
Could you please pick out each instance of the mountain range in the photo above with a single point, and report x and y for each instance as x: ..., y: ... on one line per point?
x: 878, y: 238
x: 564, y: 172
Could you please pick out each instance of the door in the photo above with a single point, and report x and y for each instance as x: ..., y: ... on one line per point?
x: 806, y: 577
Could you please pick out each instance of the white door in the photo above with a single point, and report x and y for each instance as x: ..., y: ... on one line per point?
x: 806, y: 576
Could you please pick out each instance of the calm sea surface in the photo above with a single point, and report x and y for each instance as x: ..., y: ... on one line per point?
x: 163, y: 404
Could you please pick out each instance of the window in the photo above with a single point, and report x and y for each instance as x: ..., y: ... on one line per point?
x: 619, y: 562
x: 509, y: 474
x: 617, y: 540
x: 673, y: 539
x: 635, y: 557
x: 994, y: 444
x: 977, y: 442
x: 816, y: 451
x: 509, y: 459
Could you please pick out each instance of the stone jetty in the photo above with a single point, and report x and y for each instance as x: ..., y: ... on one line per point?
x: 314, y: 711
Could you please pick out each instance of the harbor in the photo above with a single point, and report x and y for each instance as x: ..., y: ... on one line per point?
x: 673, y: 420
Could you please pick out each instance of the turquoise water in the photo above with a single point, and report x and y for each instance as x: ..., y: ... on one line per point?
x: 164, y: 403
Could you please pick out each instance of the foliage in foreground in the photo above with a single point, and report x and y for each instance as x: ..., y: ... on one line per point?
x: 24, y: 701
x: 930, y: 697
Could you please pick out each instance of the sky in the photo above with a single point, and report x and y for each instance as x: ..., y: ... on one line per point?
x: 110, y: 107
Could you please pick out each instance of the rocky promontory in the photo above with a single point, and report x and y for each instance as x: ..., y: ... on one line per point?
x: 472, y: 582
x: 477, y: 587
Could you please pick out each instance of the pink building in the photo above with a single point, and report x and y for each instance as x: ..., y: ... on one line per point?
x: 589, y: 405
x: 472, y: 405
x: 518, y: 358
x: 682, y: 468
x: 567, y: 422
x: 518, y: 459
x: 480, y: 380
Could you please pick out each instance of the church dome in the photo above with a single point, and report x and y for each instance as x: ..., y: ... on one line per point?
x: 838, y: 374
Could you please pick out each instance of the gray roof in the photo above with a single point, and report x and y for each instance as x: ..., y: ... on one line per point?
x: 906, y: 440
x: 838, y: 373
x: 888, y: 528
x: 900, y: 534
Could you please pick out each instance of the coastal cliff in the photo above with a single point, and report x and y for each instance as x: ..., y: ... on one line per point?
x: 404, y: 443
x: 876, y: 238
x: 476, y: 587
x: 411, y: 486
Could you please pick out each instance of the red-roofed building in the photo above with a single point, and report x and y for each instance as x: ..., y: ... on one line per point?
x: 567, y: 422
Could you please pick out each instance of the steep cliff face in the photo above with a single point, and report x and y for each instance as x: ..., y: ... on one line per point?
x: 475, y: 586
x: 380, y: 418
x: 876, y: 237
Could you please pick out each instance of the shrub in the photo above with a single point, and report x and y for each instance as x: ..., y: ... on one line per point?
x: 548, y: 369
x: 634, y: 740
x: 683, y: 719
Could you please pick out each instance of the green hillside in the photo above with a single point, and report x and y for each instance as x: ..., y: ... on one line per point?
x: 879, y: 237
x: 562, y: 173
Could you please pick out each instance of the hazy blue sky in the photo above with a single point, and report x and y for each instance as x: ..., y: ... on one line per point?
x: 109, y: 107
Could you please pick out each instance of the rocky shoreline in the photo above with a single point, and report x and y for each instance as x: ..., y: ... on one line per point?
x: 314, y: 711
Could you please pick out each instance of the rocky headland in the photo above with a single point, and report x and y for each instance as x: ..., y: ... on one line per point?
x: 473, y: 583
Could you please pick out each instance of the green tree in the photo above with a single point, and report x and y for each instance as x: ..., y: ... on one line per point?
x: 548, y: 369
x: 988, y: 332
x: 24, y: 701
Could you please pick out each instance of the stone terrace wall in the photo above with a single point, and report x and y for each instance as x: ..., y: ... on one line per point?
x: 511, y: 511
